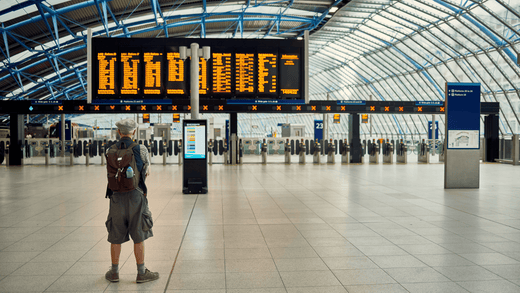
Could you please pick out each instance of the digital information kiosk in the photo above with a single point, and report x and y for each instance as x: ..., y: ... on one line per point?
x: 195, y: 167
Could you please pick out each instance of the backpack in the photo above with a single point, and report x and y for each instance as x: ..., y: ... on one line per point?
x: 118, y: 161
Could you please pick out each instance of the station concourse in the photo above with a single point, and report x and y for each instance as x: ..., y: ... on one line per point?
x: 295, y: 146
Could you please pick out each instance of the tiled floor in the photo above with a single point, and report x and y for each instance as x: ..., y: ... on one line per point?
x: 268, y: 228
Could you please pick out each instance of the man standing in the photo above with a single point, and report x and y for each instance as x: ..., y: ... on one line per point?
x: 129, y: 213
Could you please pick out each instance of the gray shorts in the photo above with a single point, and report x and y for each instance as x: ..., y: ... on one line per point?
x: 129, y: 215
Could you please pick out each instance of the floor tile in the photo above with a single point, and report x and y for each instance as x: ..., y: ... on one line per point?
x: 333, y: 289
x: 501, y: 286
x: 250, y: 265
x: 363, y: 277
x: 397, y: 261
x: 300, y: 264
x: 85, y: 283
x: 44, y: 269
x: 386, y: 288
x: 197, y: 281
x: 348, y: 263
x: 467, y: 273
x: 416, y: 275
x: 309, y: 279
x: 489, y: 259
x: 253, y: 280
x: 446, y: 287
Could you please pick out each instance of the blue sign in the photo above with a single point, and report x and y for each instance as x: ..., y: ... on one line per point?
x: 259, y: 102
x: 68, y: 129
x: 429, y: 103
x: 436, y: 130
x: 227, y: 133
x: 463, y: 115
x: 318, y: 130
x: 351, y: 102
x: 131, y: 102
x: 46, y: 102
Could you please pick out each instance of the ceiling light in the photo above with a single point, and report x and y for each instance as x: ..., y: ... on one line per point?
x: 299, y: 38
x: 333, y: 9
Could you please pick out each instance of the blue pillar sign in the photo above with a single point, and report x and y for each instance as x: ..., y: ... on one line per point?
x: 318, y: 130
x: 436, y: 130
x: 463, y: 115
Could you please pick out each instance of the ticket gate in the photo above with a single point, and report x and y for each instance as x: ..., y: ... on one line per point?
x: 263, y: 151
x: 301, y: 150
x: 316, y: 152
x: 331, y: 152
x: 287, y: 151
x: 210, y: 151
x: 344, y: 150
x: 442, y: 154
x: 388, y: 152
x: 401, y: 152
x: 373, y: 152
x: 424, y: 152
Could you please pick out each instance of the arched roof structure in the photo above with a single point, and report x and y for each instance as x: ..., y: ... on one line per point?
x: 359, y: 49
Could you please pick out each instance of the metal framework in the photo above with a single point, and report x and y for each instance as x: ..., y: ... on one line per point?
x: 403, y: 50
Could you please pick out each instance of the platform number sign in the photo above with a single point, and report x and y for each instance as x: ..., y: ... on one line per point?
x: 318, y: 130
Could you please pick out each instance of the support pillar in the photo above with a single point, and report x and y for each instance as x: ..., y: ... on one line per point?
x: 17, y: 142
x: 491, y: 131
x: 355, y: 141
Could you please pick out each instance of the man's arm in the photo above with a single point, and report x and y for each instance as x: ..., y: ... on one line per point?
x: 145, y: 156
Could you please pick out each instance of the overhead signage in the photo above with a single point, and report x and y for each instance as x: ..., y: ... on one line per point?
x: 132, y: 102
x: 150, y: 68
x: 351, y: 102
x: 318, y: 130
x: 259, y: 102
x: 364, y: 118
x: 429, y: 103
x: 46, y: 102
x: 337, y: 118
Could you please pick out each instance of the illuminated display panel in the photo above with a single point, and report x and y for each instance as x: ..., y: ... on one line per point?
x: 130, y: 72
x: 250, y: 69
x: 221, y: 63
x: 290, y: 74
x: 152, y: 73
x: 244, y: 73
x: 176, y: 75
x: 267, y: 73
x: 106, y: 73
x: 204, y: 77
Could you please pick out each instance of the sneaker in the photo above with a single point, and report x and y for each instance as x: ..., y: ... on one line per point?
x: 112, y: 276
x: 147, y: 276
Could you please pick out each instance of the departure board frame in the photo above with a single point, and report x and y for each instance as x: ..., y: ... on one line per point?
x: 266, y: 83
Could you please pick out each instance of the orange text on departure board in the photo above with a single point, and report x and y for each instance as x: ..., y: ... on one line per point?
x: 130, y: 73
x: 267, y: 73
x: 152, y: 73
x: 106, y: 73
x: 244, y: 72
x: 175, y: 71
x: 203, y: 76
x: 289, y: 60
x: 221, y: 72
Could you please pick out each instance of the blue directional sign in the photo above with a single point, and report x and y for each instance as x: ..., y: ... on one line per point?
x: 318, y: 130
x: 463, y: 115
x: 436, y: 130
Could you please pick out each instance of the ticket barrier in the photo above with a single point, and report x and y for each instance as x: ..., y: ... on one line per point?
x: 442, y: 154
x: 344, y: 150
x: 316, y: 152
x: 388, y: 152
x: 401, y: 152
x: 424, y: 153
x: 373, y: 152
x: 263, y: 151
x: 210, y: 151
x: 331, y: 152
x: 302, y: 150
x: 288, y: 146
x: 5, y: 153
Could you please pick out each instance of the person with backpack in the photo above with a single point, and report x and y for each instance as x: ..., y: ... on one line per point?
x: 128, y: 165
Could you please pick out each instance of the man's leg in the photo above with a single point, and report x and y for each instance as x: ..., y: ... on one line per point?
x: 113, y: 274
x: 139, y: 252
x: 115, y: 251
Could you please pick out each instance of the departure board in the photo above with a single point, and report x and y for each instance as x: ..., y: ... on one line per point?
x: 176, y: 84
x: 290, y: 75
x: 152, y: 73
x: 203, y: 76
x: 130, y: 70
x: 151, y: 69
x: 245, y: 73
x: 267, y: 73
x: 221, y: 63
x: 106, y: 73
